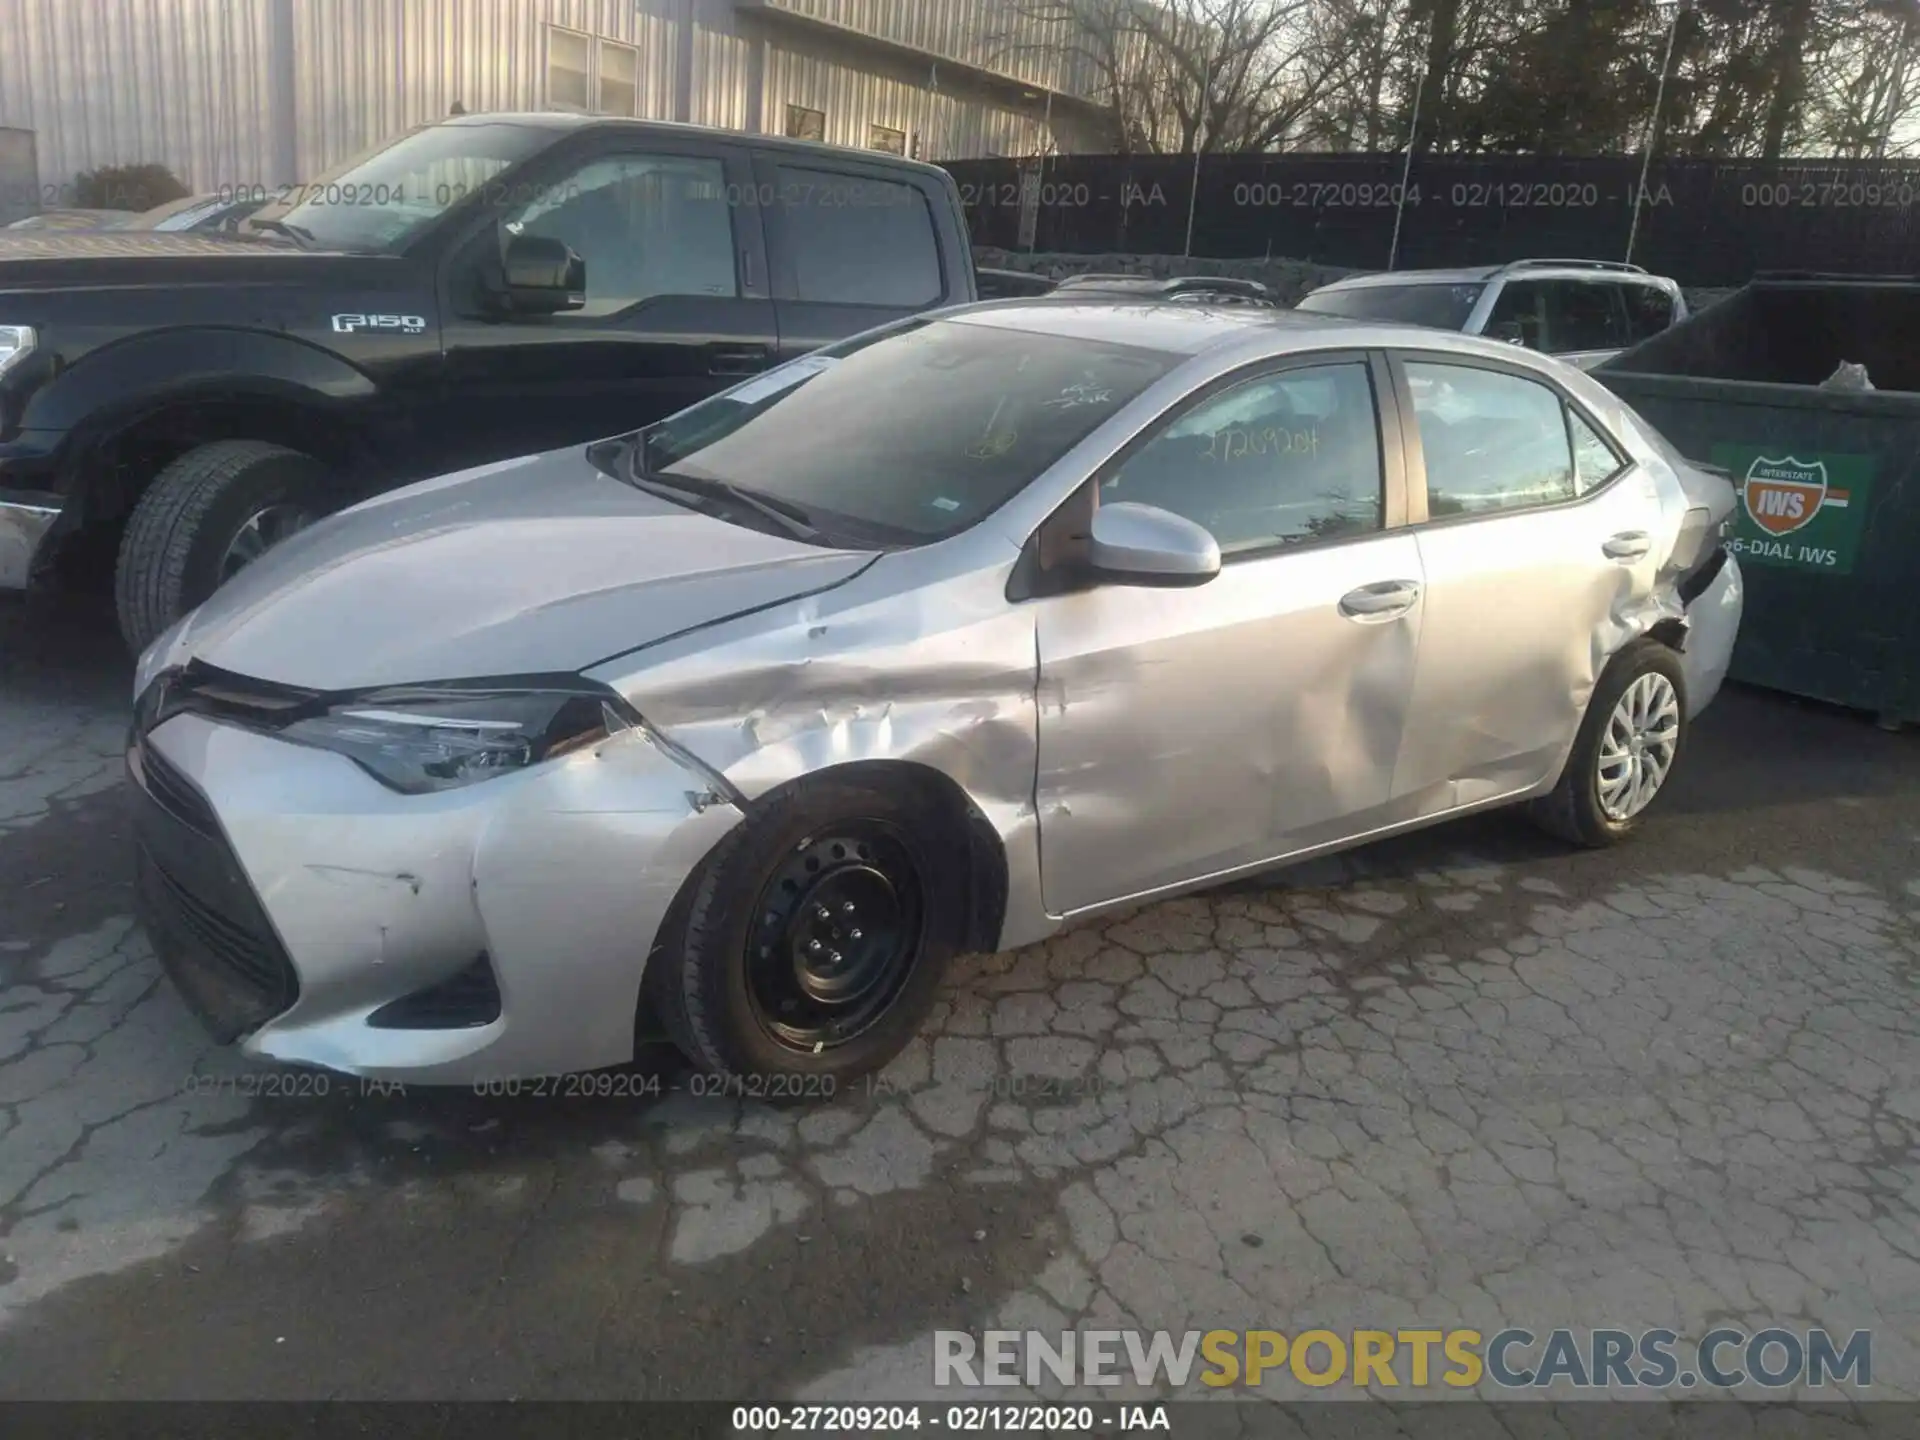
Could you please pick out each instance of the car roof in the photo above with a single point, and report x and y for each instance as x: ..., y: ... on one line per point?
x: 1187, y: 328
x: 1480, y: 274
x: 561, y: 120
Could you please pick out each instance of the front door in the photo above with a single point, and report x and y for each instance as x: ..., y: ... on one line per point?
x: 1535, y: 541
x: 677, y: 302
x: 1188, y: 732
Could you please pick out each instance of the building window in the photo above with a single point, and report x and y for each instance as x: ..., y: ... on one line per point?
x: 879, y: 137
x: 569, y: 67
x: 805, y: 124
x: 619, y: 79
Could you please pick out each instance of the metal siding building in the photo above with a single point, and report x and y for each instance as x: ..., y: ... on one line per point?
x: 268, y: 92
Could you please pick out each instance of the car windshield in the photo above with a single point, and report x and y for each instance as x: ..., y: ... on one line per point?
x: 908, y: 438
x: 380, y: 200
x: 1445, y: 307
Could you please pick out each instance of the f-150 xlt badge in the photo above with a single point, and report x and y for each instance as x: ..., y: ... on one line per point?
x: 406, y: 324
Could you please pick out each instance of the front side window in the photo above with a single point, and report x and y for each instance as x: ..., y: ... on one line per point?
x: 1281, y: 460
x: 859, y: 241
x: 381, y: 199
x: 1520, y: 314
x: 1492, y: 441
x: 910, y: 437
x: 646, y: 225
x: 1444, y: 307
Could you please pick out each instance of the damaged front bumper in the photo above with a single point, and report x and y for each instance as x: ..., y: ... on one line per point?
x: 500, y: 930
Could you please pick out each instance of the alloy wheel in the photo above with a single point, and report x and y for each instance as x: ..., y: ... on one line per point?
x: 263, y: 530
x: 1636, y: 754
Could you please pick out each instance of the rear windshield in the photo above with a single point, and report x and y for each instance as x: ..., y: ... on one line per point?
x: 1445, y: 307
x: 913, y: 436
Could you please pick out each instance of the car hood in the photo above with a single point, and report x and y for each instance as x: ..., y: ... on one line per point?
x: 532, y: 566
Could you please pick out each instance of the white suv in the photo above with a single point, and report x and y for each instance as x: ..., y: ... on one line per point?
x: 1583, y: 311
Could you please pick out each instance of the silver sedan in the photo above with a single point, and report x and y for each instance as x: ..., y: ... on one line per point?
x: 930, y: 642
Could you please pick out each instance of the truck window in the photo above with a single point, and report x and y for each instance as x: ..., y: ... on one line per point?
x: 855, y: 240
x: 645, y: 225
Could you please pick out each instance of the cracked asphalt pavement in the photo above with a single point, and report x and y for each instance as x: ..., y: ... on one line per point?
x: 1464, y: 1078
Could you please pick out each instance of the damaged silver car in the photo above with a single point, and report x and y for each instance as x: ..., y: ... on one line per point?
x: 929, y: 642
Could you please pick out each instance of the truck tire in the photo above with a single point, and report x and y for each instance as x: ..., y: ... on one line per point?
x: 204, y: 517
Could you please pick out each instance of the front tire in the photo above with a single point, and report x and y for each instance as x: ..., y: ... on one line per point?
x: 1634, y: 733
x: 815, y: 937
x: 206, y: 516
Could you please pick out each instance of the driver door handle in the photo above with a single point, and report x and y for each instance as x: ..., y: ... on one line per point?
x: 1386, y: 600
x: 1627, y: 545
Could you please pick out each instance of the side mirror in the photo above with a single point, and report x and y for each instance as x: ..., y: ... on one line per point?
x: 1134, y: 544
x: 541, y: 276
x: 1507, y: 330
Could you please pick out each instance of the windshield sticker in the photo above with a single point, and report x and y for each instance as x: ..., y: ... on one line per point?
x: 941, y: 502
x: 783, y: 377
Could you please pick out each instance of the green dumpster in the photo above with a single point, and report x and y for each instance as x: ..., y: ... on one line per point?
x: 1827, y: 531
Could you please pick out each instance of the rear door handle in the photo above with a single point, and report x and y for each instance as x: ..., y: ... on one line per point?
x: 737, y: 359
x: 1627, y: 545
x: 1371, y: 604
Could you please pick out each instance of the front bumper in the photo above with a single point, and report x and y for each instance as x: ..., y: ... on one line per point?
x: 295, y: 900
x: 1713, y: 623
x: 27, y: 518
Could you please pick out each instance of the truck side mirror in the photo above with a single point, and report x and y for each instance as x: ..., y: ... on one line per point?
x: 540, y: 276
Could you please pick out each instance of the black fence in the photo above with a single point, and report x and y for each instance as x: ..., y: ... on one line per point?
x: 1705, y: 222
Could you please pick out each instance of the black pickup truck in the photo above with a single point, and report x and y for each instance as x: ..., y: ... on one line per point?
x: 490, y: 286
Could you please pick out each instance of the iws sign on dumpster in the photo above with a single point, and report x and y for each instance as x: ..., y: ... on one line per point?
x: 1806, y: 511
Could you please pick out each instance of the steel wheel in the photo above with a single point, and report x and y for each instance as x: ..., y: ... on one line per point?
x: 262, y: 530
x: 841, y: 923
x: 1637, y: 750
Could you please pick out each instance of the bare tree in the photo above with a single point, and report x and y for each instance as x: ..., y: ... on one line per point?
x: 1181, y: 75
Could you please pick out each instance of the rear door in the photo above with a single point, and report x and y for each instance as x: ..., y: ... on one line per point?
x: 677, y: 300
x: 1533, y: 531
x: 849, y: 246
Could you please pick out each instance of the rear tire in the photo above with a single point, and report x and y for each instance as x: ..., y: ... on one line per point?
x: 733, y: 981
x: 204, y: 517
x: 1595, y: 803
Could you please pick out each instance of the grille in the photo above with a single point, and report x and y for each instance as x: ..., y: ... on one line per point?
x: 246, y: 955
x: 174, y: 793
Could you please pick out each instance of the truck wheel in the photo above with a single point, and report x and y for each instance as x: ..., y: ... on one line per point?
x: 1634, y: 731
x: 203, y: 519
x: 813, y: 939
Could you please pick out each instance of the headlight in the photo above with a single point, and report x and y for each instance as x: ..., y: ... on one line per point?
x: 16, y: 343
x: 418, y: 740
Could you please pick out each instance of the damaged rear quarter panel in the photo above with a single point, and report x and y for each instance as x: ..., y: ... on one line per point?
x: 918, y: 660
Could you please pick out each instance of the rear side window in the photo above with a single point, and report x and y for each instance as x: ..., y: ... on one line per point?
x: 855, y: 240
x: 1492, y: 441
x: 1584, y: 315
x: 1649, y: 311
